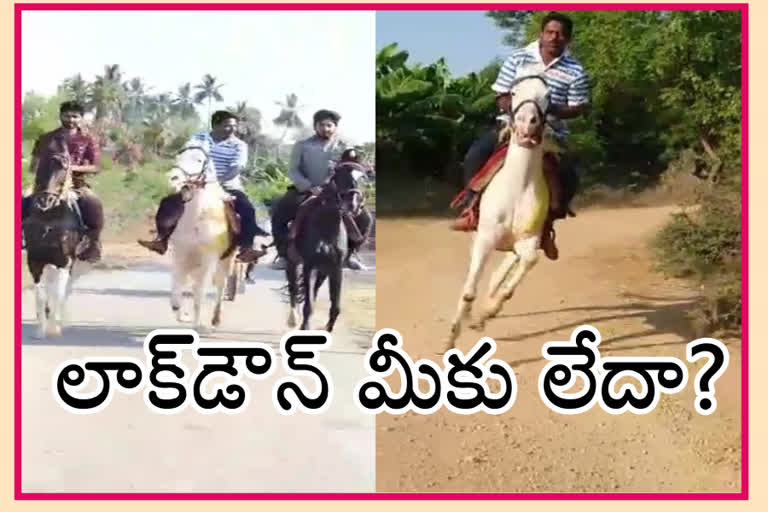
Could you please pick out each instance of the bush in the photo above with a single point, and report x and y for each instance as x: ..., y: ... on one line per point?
x: 706, y: 245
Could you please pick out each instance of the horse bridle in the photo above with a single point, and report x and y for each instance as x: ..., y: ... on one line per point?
x: 44, y: 200
x: 194, y: 180
x: 538, y: 107
x: 352, y: 191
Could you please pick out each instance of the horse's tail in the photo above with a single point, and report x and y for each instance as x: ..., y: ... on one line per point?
x: 301, y: 278
x: 286, y: 290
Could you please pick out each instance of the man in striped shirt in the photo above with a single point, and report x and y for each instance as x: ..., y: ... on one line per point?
x: 228, y: 155
x: 569, y: 87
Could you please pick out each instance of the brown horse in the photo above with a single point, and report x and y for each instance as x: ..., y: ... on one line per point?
x: 52, y: 232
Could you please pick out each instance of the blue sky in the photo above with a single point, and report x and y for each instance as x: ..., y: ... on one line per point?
x: 467, y: 39
x: 259, y: 56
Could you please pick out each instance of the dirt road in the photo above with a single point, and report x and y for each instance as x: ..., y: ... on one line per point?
x: 127, y: 448
x: 603, y: 278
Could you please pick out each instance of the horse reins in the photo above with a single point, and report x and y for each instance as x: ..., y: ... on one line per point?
x: 196, y: 180
x: 516, y: 81
x: 44, y: 200
x: 352, y: 191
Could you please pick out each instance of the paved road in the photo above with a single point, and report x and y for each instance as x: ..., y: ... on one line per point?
x: 126, y: 447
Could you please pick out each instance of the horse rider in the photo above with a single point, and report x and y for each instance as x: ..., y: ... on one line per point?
x: 311, y: 165
x: 84, y: 160
x: 228, y: 156
x: 569, y: 86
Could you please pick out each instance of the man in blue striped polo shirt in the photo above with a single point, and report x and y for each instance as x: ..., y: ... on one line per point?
x: 569, y: 88
x: 229, y: 155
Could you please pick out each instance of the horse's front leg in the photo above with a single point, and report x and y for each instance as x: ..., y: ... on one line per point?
x: 177, y: 283
x: 306, y: 290
x: 291, y: 273
x: 41, y: 299
x: 481, y: 249
x: 204, y: 277
x: 219, y: 282
x: 59, y: 279
x: 527, y: 251
x: 334, y: 282
x: 497, y: 279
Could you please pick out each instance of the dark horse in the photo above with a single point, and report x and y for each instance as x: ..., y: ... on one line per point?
x: 52, y: 233
x: 325, y: 224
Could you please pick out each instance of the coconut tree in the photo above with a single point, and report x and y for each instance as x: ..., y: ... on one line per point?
x: 108, y: 93
x: 184, y: 103
x: 78, y: 89
x: 208, y: 90
x: 289, y: 117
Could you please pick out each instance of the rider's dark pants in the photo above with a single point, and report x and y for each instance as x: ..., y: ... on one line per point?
x: 364, y: 222
x: 172, y: 207
x: 479, y: 153
x: 285, y: 211
x: 90, y: 206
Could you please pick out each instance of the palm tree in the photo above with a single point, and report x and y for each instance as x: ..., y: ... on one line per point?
x: 136, y: 96
x: 239, y: 109
x: 184, y: 103
x: 289, y: 115
x: 249, y: 126
x: 208, y: 89
x: 77, y: 89
x: 108, y: 93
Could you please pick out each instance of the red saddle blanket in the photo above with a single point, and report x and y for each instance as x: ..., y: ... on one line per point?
x: 483, y: 176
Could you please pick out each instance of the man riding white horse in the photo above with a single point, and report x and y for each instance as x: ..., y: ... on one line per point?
x: 568, y: 85
x: 228, y: 156
x: 310, y: 167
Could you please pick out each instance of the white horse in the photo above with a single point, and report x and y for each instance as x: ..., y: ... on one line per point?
x: 514, y: 206
x: 202, y: 245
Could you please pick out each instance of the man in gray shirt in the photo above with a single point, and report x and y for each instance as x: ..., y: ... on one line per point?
x: 310, y: 167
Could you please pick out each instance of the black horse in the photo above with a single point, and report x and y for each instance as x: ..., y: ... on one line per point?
x: 53, y: 232
x: 321, y: 233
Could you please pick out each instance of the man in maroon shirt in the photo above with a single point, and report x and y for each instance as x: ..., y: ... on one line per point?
x: 84, y: 157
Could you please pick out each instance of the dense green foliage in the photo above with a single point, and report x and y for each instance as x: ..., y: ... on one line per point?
x: 664, y: 84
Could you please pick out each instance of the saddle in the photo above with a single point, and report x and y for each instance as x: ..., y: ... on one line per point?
x: 569, y: 183
x: 233, y: 227
x: 305, y: 207
x: 479, y: 181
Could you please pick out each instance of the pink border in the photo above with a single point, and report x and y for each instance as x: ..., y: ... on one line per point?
x: 742, y: 495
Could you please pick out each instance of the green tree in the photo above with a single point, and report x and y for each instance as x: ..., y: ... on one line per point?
x: 184, y: 103
x: 77, y: 88
x: 108, y: 94
x: 208, y: 90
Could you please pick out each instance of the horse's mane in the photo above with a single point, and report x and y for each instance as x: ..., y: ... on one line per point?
x: 52, y: 160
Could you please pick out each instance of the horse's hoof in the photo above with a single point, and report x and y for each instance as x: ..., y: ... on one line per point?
x: 204, y: 329
x: 447, y: 345
x: 450, y: 342
x: 39, y: 334
x: 53, y: 331
x: 477, y: 326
